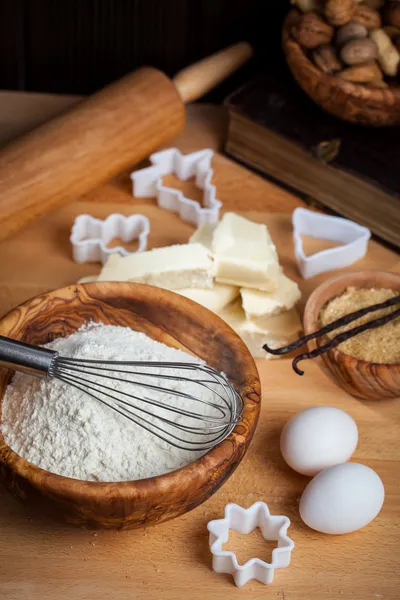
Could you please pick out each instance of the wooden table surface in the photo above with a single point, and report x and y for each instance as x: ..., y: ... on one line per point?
x: 43, y: 560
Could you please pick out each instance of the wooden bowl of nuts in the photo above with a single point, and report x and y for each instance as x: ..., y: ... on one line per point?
x: 345, y: 54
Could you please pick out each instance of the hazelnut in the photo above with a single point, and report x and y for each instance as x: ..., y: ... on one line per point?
x: 312, y: 31
x: 339, y: 12
x: 368, y: 17
x: 350, y: 31
x: 362, y: 73
x: 392, y: 14
x: 357, y: 52
x: 326, y: 59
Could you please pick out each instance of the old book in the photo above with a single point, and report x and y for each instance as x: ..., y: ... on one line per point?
x: 354, y: 170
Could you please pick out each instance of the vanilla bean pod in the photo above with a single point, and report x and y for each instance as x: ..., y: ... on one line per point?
x: 346, y: 320
x: 342, y: 337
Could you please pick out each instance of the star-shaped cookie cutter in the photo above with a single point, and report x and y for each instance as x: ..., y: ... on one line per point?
x: 148, y: 183
x: 90, y: 236
x: 243, y: 521
x: 352, y: 237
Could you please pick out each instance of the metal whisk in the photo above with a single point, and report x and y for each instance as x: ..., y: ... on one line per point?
x: 190, y: 420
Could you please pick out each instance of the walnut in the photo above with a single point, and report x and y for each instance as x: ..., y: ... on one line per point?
x: 326, y: 59
x: 357, y: 52
x: 350, y: 31
x: 362, y: 73
x: 339, y: 12
x: 368, y: 17
x: 312, y: 31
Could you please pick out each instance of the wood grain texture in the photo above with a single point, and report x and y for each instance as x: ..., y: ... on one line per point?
x: 43, y: 560
x: 365, y: 380
x: 99, y: 137
x: 167, y: 318
x: 344, y: 99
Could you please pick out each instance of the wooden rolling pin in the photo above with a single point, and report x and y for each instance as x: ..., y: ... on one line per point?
x: 102, y: 135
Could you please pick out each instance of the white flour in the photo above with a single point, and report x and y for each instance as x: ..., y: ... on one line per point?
x: 65, y: 431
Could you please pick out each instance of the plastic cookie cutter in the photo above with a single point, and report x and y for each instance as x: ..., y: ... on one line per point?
x: 148, y: 182
x: 243, y: 521
x: 90, y: 237
x: 352, y: 237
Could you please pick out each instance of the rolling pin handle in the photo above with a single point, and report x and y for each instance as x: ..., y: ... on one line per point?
x: 198, y: 79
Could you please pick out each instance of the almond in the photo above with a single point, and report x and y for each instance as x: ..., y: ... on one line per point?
x: 326, y: 59
x: 379, y: 84
x: 362, y: 73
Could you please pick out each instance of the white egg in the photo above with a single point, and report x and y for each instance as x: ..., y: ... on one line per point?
x: 342, y: 499
x: 317, y: 438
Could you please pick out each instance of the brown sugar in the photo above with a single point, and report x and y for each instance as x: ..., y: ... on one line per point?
x: 380, y: 345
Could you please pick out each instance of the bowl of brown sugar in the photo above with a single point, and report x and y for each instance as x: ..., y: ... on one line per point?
x: 366, y: 365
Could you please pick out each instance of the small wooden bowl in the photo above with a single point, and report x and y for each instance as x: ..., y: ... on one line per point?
x: 360, y: 378
x: 344, y: 99
x: 168, y: 318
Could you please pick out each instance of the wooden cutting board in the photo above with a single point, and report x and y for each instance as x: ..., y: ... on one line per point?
x: 43, y: 560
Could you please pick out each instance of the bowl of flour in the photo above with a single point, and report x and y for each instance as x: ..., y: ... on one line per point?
x: 76, y: 458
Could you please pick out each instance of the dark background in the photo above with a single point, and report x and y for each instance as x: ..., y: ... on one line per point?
x: 78, y: 46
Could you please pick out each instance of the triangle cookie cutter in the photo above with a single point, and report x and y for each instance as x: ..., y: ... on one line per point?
x: 148, y: 183
x: 353, y: 238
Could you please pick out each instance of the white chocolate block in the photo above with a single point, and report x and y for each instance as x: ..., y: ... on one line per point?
x: 204, y: 235
x: 244, y: 254
x: 260, y: 306
x: 172, y: 267
x: 87, y: 279
x: 282, y: 332
x: 215, y: 298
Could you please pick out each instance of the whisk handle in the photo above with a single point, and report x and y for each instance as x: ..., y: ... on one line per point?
x: 26, y: 358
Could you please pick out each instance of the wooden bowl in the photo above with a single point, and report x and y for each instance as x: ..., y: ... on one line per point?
x: 165, y: 317
x: 360, y: 378
x: 344, y: 99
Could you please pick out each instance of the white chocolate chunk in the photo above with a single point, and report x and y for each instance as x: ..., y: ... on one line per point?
x: 204, y: 235
x: 260, y: 306
x: 215, y: 298
x: 173, y: 267
x: 87, y: 279
x: 254, y: 337
x: 284, y: 325
x: 244, y: 254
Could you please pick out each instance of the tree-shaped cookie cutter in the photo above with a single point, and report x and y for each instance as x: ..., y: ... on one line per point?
x: 148, y: 183
x: 244, y: 521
